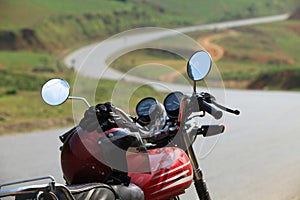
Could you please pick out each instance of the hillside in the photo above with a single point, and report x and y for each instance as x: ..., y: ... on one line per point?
x: 262, y: 56
x: 36, y: 34
x: 60, y: 24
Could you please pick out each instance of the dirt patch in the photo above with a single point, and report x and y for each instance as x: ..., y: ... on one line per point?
x: 295, y: 16
x: 268, y: 58
x: 237, y: 84
x: 285, y: 79
x: 170, y: 78
x: 216, y: 52
x: 255, y: 46
x: 295, y: 29
x: 24, y: 39
x: 249, y: 30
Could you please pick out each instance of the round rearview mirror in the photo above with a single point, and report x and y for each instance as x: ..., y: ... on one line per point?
x: 199, y: 65
x: 55, y: 91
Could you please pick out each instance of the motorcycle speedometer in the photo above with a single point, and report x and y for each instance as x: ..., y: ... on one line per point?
x: 172, y: 104
x: 146, y: 106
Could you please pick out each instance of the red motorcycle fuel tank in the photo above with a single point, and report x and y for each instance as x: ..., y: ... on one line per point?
x: 171, y: 173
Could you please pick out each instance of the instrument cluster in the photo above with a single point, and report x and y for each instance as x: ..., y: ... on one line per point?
x: 147, y: 106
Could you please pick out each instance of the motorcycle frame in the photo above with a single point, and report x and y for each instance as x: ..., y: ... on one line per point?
x: 187, y: 145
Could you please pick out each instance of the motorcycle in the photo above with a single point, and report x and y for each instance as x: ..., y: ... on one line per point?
x: 112, y: 155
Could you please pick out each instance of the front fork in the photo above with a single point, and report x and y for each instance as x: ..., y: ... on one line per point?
x: 199, y: 181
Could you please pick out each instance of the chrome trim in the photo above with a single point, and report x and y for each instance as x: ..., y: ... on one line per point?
x: 28, y: 180
x: 39, y: 188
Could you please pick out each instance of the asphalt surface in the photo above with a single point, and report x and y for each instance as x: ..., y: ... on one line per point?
x: 257, y: 158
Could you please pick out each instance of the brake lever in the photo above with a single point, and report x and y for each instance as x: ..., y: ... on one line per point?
x: 236, y: 112
x: 211, y: 99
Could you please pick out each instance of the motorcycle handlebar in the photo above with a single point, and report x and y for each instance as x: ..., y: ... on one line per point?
x: 217, y: 114
x: 210, y: 130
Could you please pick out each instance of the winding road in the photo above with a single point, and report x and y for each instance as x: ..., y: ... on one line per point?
x: 257, y: 158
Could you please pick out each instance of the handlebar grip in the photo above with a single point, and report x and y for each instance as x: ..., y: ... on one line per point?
x: 210, y: 130
x: 217, y: 114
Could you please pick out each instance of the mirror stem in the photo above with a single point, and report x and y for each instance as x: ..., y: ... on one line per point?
x: 82, y: 99
x: 195, y: 87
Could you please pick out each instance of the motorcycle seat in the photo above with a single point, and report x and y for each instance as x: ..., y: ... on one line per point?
x: 131, y: 192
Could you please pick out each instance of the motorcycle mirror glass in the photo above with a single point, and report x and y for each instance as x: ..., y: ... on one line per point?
x: 199, y: 65
x: 55, y: 91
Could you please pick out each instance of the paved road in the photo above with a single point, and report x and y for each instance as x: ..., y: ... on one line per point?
x: 257, y: 158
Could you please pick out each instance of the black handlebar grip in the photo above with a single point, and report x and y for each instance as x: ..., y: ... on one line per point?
x: 217, y: 114
x: 210, y: 130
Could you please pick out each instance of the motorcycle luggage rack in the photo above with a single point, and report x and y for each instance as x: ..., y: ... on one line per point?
x: 53, y: 189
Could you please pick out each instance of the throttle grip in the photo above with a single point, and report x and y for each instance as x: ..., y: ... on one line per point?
x: 217, y: 114
x: 210, y: 130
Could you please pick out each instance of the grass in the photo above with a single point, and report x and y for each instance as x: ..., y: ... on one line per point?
x: 220, y: 10
x: 22, y: 73
x: 126, y: 95
x: 286, y: 35
x: 264, y: 55
x: 27, y: 71
x: 27, y: 60
x: 59, y: 24
x: 121, y: 93
x: 12, y: 11
x: 148, y: 63
x: 33, y: 11
x: 25, y: 110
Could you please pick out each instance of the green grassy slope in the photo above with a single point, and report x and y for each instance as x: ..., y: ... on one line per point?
x: 221, y: 10
x: 263, y: 55
x: 32, y: 11
x: 59, y: 24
